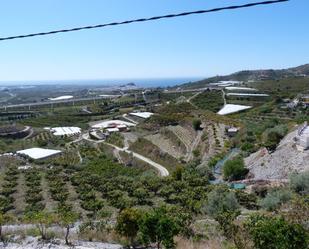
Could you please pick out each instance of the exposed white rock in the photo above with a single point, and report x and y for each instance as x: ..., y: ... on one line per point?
x: 281, y: 163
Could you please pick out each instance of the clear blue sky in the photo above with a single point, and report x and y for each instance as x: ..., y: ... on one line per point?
x: 261, y: 37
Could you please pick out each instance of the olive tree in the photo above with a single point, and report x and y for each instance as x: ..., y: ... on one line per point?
x: 127, y: 223
x: 67, y: 217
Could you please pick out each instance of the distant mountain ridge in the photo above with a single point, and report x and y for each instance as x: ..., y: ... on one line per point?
x: 255, y: 75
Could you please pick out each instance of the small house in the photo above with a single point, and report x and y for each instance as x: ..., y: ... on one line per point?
x: 232, y: 131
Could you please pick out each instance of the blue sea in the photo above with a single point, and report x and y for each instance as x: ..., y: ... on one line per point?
x: 159, y: 82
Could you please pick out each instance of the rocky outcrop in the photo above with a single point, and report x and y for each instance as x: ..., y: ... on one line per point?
x: 279, y: 164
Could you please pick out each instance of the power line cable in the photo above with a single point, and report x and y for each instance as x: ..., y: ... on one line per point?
x: 144, y: 19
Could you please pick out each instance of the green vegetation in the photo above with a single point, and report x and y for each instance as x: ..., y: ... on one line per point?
x: 196, y: 124
x: 235, y: 169
x: 209, y: 100
x: 215, y: 159
x: 275, y: 198
x: 276, y: 233
x: 116, y: 139
x: 220, y: 201
x: 67, y: 218
x: 128, y: 224
x: 272, y: 136
x: 148, y: 149
x: 285, y: 88
x: 42, y: 220
x: 170, y: 114
x: 157, y: 226
x: 130, y: 204
x: 300, y: 183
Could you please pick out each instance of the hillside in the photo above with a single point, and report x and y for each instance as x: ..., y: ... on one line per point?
x: 254, y: 75
x: 280, y: 164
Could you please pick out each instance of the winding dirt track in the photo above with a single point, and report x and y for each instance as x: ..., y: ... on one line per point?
x: 161, y: 169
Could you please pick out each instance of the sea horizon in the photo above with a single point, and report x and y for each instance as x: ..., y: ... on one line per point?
x: 140, y: 82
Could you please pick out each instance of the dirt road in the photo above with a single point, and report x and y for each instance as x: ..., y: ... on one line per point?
x: 161, y: 169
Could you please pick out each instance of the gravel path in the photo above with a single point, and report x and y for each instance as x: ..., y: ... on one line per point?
x: 34, y: 243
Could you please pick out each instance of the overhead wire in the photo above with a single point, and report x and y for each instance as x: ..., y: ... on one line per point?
x: 154, y: 18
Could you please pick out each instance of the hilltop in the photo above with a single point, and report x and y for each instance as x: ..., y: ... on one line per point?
x: 254, y: 75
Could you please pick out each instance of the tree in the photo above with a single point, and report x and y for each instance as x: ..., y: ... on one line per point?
x: 4, y: 218
x: 142, y: 195
x: 42, y: 220
x: 221, y: 200
x: 196, y: 124
x: 235, y: 169
x: 157, y: 226
x: 67, y: 218
x: 127, y: 223
x: 120, y: 199
x: 276, y: 233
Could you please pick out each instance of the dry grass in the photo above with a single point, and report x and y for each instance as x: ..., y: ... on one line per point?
x: 207, y: 244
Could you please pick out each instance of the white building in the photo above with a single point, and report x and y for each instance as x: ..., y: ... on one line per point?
x: 38, y: 153
x: 232, y: 131
x: 143, y: 115
x: 65, y: 131
x: 112, y: 124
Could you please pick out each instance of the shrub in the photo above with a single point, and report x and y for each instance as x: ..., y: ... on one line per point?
x: 221, y: 200
x: 197, y: 124
x: 214, y: 160
x: 300, y: 183
x: 272, y: 136
x: 276, y: 233
x: 248, y: 147
x: 235, y: 169
x: 247, y: 200
x: 196, y: 153
x: 275, y: 198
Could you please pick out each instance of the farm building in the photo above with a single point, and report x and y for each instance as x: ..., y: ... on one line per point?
x: 113, y: 125
x: 66, y: 97
x: 143, y: 115
x: 65, y: 131
x: 231, y: 108
x: 38, y: 153
x: 112, y: 130
x: 232, y: 131
x: 248, y: 94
